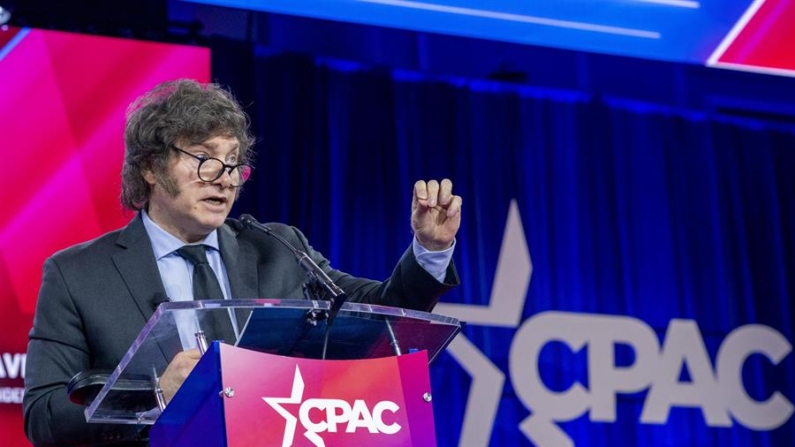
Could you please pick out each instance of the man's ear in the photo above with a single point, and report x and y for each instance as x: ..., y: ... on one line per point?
x: 149, y: 177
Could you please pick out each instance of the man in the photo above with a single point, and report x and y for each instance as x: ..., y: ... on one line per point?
x: 187, y: 148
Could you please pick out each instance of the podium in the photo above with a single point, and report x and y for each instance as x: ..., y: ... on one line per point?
x: 291, y: 380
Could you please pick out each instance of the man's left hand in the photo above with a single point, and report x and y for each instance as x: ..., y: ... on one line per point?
x: 435, y: 214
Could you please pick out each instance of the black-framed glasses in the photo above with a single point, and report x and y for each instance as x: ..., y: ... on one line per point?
x: 211, y: 169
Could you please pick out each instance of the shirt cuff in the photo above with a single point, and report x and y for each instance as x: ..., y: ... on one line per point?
x: 434, y: 262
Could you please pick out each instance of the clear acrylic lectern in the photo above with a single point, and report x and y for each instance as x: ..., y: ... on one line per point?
x: 294, y: 328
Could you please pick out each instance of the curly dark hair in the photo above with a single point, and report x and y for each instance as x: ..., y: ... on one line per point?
x: 181, y: 111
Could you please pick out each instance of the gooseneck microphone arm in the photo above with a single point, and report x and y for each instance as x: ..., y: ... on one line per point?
x: 335, y: 294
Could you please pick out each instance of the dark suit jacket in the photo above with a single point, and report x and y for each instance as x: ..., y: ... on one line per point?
x: 96, y: 297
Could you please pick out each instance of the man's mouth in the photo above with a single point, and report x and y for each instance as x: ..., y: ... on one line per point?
x: 216, y: 200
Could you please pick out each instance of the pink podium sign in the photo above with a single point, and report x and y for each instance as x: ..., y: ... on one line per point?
x: 285, y: 401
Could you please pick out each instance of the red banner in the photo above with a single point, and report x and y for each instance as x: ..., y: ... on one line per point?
x: 64, y: 96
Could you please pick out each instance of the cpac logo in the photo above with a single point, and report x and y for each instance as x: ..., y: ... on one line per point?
x: 718, y: 392
x: 336, y: 412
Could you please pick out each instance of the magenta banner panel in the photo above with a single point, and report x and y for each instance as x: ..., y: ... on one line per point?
x: 63, y: 101
x: 284, y: 401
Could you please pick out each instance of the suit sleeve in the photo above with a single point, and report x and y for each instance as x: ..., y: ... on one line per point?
x: 57, y: 349
x: 410, y: 286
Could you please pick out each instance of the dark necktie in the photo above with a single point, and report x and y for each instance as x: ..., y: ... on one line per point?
x: 206, y: 287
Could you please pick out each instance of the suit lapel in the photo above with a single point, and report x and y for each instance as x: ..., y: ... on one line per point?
x: 138, y: 267
x: 240, y: 260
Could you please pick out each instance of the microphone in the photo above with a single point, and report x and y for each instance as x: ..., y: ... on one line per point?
x: 336, y: 295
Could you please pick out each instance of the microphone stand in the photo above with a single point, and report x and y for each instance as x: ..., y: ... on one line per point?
x: 317, y: 286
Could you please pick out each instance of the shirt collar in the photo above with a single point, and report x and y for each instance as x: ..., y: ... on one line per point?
x: 164, y: 243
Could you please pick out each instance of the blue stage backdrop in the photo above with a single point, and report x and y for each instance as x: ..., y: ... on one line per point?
x: 628, y: 270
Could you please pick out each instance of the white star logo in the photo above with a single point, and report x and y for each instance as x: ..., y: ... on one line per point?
x: 295, y: 398
x: 514, y: 270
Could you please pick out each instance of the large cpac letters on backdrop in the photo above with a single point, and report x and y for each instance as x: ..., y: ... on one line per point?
x: 719, y: 393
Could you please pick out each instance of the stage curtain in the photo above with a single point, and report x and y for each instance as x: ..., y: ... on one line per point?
x: 628, y: 209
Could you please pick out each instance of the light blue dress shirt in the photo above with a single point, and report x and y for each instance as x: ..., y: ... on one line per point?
x: 177, y: 274
x: 434, y: 262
